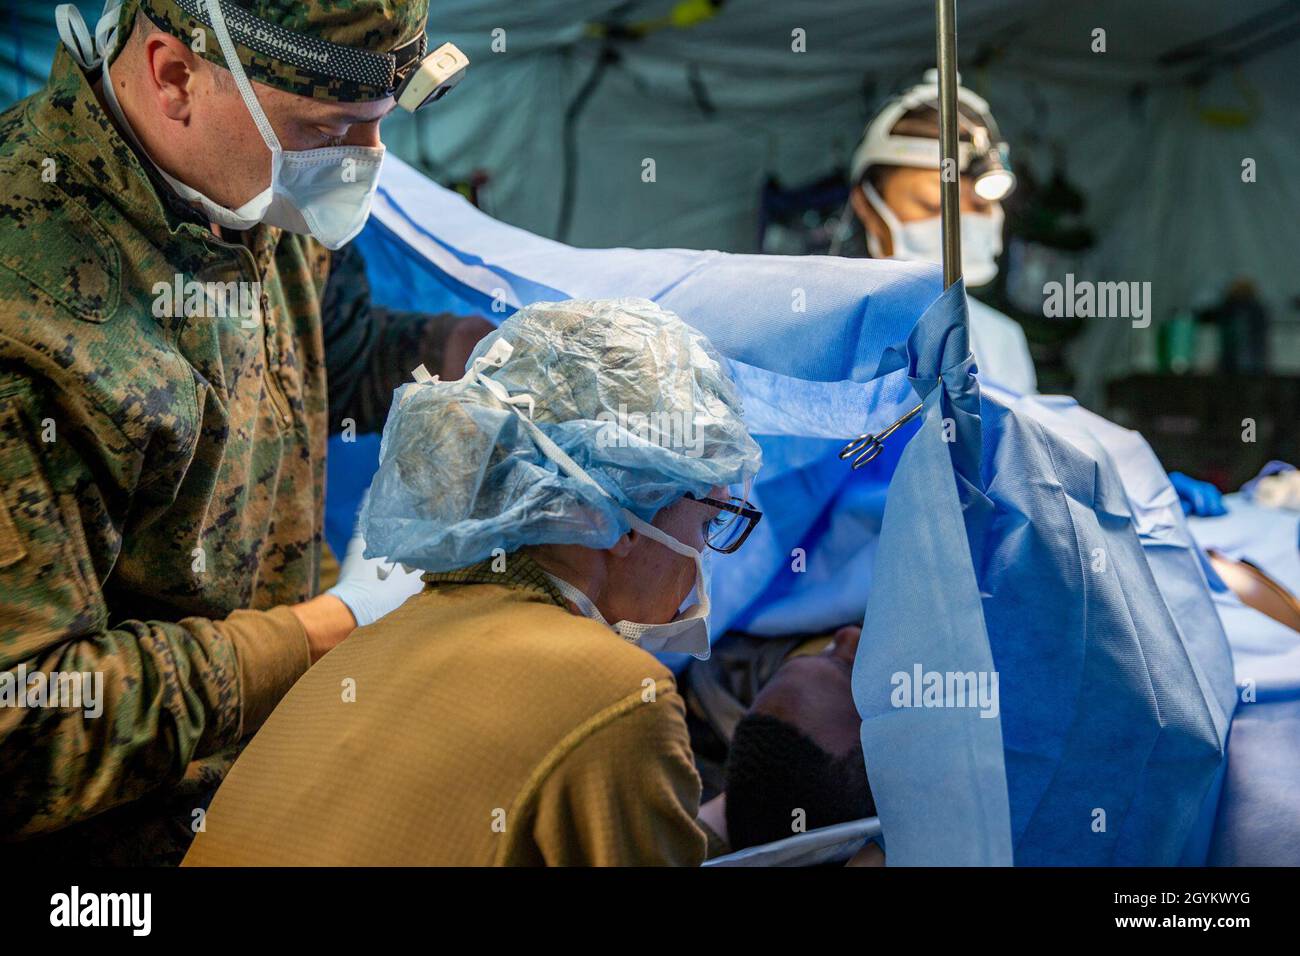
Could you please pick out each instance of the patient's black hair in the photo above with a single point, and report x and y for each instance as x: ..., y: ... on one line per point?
x: 773, y: 769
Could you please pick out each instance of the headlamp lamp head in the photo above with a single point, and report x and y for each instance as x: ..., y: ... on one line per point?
x: 988, y: 165
x: 993, y: 181
x: 429, y: 78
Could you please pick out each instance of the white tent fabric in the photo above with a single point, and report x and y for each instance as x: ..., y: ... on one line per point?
x: 723, y: 105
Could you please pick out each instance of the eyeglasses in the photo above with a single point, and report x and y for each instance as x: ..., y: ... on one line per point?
x: 728, y: 529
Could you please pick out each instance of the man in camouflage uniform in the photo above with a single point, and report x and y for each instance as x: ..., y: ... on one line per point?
x: 161, y: 472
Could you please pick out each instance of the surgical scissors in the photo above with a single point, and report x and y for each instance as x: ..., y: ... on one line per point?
x: 868, y: 446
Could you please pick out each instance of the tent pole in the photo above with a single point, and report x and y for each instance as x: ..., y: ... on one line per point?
x: 949, y: 172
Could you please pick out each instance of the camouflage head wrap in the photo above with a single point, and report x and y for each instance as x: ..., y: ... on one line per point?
x: 336, y: 50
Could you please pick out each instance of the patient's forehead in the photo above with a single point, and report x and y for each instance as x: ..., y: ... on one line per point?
x: 814, y: 694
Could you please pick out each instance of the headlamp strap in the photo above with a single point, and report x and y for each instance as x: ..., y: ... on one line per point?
x: 383, y: 71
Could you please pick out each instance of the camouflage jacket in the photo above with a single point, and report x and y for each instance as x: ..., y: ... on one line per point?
x: 163, y: 424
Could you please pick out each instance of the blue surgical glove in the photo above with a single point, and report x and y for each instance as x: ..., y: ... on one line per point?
x: 372, y: 587
x: 1199, y: 498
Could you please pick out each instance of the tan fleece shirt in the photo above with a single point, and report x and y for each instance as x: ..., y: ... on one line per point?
x: 479, y: 724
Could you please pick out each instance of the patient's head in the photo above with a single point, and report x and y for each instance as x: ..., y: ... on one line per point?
x: 799, y: 749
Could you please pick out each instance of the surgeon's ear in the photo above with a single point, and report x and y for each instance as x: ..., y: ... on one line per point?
x: 170, y: 71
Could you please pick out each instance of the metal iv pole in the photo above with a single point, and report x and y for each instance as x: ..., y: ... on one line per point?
x: 949, y: 170
x: 864, y: 448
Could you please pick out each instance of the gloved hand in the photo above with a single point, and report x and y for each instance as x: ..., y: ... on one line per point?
x: 1199, y: 498
x: 361, y: 587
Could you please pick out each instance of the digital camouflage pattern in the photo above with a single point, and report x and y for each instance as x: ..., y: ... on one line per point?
x: 378, y: 26
x: 162, y: 472
x: 156, y: 473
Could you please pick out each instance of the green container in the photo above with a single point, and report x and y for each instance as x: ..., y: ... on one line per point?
x: 1176, y: 343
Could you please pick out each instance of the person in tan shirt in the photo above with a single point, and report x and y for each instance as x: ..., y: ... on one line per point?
x: 481, y: 723
x: 496, y: 717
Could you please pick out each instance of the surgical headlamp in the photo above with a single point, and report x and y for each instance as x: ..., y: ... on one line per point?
x: 989, y: 166
x: 985, y: 157
x: 431, y: 77
x: 409, y: 73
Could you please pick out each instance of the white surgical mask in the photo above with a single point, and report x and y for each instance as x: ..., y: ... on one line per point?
x: 922, y: 239
x: 688, y: 632
x: 322, y: 192
x: 325, y: 193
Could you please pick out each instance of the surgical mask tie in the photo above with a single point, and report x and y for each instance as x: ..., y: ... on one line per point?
x: 688, y: 632
x: 89, y: 51
x: 245, y: 217
x: 922, y: 239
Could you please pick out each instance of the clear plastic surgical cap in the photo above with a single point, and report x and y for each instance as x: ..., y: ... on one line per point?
x: 636, y: 397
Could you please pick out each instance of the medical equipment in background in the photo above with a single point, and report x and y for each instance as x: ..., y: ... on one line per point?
x: 1176, y: 343
x: 868, y: 446
x: 1241, y: 320
x: 814, y: 219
